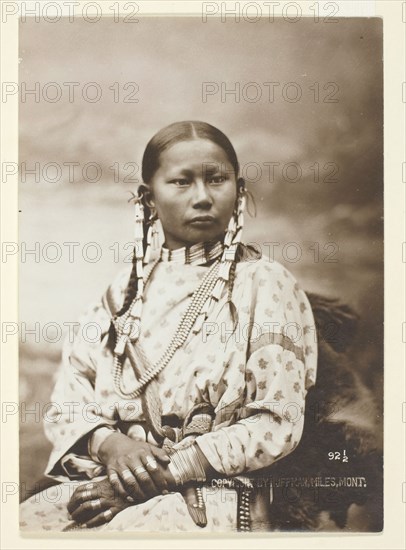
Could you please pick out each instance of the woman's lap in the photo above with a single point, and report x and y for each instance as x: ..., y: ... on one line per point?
x: 47, y: 511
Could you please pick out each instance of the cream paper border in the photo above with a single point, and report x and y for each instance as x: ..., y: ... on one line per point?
x: 393, y: 537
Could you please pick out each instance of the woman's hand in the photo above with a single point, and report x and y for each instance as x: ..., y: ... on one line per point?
x: 95, y: 503
x: 135, y: 468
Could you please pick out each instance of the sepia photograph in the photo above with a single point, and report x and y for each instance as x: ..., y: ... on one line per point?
x: 201, y: 272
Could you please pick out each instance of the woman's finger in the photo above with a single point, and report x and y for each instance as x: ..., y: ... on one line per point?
x: 155, y: 473
x: 132, y: 486
x: 160, y: 454
x: 80, y: 495
x: 102, y: 518
x: 144, y: 479
x: 73, y: 504
x: 115, y: 482
x: 88, y: 509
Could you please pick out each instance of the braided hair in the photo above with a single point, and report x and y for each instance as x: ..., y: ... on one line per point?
x: 132, y: 286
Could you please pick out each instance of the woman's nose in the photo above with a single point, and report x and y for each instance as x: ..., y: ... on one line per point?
x: 201, y: 196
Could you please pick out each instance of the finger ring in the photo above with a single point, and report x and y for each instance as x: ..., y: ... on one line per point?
x: 127, y: 474
x: 140, y: 470
x: 108, y: 515
x: 151, y: 463
x: 113, y: 477
x: 87, y: 494
x: 95, y: 504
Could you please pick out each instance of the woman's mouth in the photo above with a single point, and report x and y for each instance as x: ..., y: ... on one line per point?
x: 202, y: 220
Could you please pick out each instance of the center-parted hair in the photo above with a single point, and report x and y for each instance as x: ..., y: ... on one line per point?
x: 188, y: 130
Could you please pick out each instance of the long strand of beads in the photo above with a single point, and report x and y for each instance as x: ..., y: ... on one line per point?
x: 188, y: 319
x: 120, y: 325
x: 125, y: 326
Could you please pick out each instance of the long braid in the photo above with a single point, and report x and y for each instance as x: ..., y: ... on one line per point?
x: 240, y: 250
x: 130, y: 294
x: 242, y: 253
x: 131, y: 289
x: 132, y: 286
x: 231, y: 305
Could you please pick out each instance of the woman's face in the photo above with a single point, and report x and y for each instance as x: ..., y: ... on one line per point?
x: 194, y: 192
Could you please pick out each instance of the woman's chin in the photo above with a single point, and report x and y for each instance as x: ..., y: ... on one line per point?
x: 189, y: 238
x: 204, y: 234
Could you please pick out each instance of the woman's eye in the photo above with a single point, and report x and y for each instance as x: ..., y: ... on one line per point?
x: 180, y: 182
x: 217, y: 179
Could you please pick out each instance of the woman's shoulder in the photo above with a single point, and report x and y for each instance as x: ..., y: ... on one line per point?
x: 120, y: 280
x: 267, y: 279
x: 263, y: 267
x: 117, y: 289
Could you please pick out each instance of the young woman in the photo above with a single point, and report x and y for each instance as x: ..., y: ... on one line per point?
x: 197, y: 384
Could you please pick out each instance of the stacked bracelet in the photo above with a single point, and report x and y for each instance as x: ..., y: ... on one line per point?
x: 186, y: 465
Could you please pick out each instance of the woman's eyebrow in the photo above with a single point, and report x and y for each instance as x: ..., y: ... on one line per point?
x: 208, y: 170
x: 212, y: 168
x: 182, y: 172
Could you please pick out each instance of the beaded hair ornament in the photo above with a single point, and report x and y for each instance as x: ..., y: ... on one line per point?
x: 128, y: 323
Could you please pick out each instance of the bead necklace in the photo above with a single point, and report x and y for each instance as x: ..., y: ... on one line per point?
x: 187, y: 322
x: 197, y: 254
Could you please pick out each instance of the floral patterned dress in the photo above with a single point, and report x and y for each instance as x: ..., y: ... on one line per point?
x: 264, y: 367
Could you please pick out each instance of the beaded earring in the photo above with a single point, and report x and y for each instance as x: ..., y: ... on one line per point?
x: 134, y: 315
x: 152, y: 237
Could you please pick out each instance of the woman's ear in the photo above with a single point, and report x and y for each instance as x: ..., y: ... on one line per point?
x: 146, y: 190
x: 240, y: 184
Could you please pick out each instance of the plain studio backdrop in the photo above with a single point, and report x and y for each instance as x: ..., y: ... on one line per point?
x: 305, y: 119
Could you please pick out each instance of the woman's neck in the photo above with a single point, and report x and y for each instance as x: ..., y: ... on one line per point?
x: 195, y: 254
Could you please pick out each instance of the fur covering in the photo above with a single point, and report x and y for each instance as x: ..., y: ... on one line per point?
x: 341, y: 414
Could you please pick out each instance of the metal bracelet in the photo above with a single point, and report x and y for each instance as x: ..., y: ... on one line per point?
x: 187, y: 463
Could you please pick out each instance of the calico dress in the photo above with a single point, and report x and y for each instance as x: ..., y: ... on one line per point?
x: 265, y: 366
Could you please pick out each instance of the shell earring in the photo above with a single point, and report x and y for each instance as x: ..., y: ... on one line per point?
x: 152, y: 236
x: 153, y: 232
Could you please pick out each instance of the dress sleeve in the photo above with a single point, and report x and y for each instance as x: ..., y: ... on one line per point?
x: 74, y: 413
x: 281, y: 367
